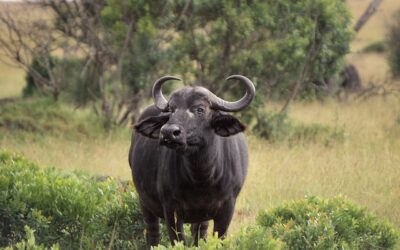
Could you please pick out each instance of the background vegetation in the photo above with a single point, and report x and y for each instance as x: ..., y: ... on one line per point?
x: 348, y: 145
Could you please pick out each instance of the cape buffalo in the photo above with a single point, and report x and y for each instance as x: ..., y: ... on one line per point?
x: 189, y: 160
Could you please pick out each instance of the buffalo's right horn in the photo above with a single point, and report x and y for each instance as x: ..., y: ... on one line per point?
x: 159, y: 100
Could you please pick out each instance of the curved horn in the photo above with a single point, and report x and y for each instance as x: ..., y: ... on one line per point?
x: 221, y: 104
x: 158, y: 97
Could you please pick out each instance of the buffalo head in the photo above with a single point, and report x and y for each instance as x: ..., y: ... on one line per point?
x: 193, y: 115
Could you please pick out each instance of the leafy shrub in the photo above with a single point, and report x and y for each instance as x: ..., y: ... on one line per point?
x: 77, y: 85
x: 255, y: 238
x: 312, y: 223
x: 375, y: 47
x: 316, y: 223
x: 71, y: 209
x: 277, y: 127
x: 393, y: 39
x: 30, y: 87
x: 30, y: 242
x: 46, y: 116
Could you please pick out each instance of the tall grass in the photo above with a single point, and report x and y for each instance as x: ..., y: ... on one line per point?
x: 365, y: 167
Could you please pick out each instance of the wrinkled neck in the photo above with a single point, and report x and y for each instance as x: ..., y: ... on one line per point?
x: 203, y: 165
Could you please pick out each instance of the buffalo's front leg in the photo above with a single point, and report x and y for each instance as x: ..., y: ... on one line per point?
x: 223, y: 218
x: 152, y: 225
x: 199, y: 231
x: 174, y: 223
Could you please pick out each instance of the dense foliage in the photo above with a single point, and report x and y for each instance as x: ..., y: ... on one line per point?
x: 312, y: 223
x: 43, y: 115
x: 209, y: 40
x: 394, y: 45
x: 283, y: 46
x: 316, y: 223
x: 276, y: 43
x: 71, y: 209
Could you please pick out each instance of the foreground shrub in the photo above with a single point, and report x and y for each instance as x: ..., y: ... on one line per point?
x: 30, y: 243
x: 316, y: 223
x: 72, y: 209
x: 46, y: 208
x: 254, y: 238
x: 312, y: 223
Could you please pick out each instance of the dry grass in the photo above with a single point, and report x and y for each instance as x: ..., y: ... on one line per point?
x: 100, y: 156
x: 365, y: 167
x: 11, y: 81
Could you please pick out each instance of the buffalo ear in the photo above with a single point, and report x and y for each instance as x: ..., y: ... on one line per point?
x: 225, y: 125
x: 150, y: 127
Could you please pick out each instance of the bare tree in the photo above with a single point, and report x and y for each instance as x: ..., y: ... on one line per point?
x: 81, y: 21
x: 25, y: 39
x: 71, y: 29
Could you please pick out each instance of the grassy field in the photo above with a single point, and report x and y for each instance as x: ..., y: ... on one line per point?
x: 365, y: 167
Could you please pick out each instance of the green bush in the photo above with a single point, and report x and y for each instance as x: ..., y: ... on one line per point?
x: 255, y: 238
x: 76, y: 85
x: 277, y: 127
x: 312, y: 223
x: 254, y: 39
x: 43, y: 115
x: 375, y: 47
x: 71, y: 209
x: 336, y: 223
x: 30, y: 243
x: 30, y: 87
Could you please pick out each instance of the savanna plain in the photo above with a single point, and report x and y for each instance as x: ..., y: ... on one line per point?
x: 363, y: 165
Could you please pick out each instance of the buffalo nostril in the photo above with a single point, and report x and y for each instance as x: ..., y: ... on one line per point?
x: 176, y: 133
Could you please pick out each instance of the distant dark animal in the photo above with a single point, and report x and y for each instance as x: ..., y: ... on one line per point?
x: 189, y: 160
x: 351, y: 81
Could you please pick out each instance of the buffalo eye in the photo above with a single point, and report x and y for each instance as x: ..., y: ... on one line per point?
x: 200, y: 110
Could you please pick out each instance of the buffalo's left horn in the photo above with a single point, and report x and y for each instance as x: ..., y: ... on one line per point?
x: 158, y: 97
x: 221, y: 104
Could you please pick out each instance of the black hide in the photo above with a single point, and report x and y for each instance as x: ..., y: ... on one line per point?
x: 196, y: 174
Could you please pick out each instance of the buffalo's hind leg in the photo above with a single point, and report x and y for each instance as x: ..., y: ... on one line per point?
x: 199, y: 231
x: 152, y: 225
